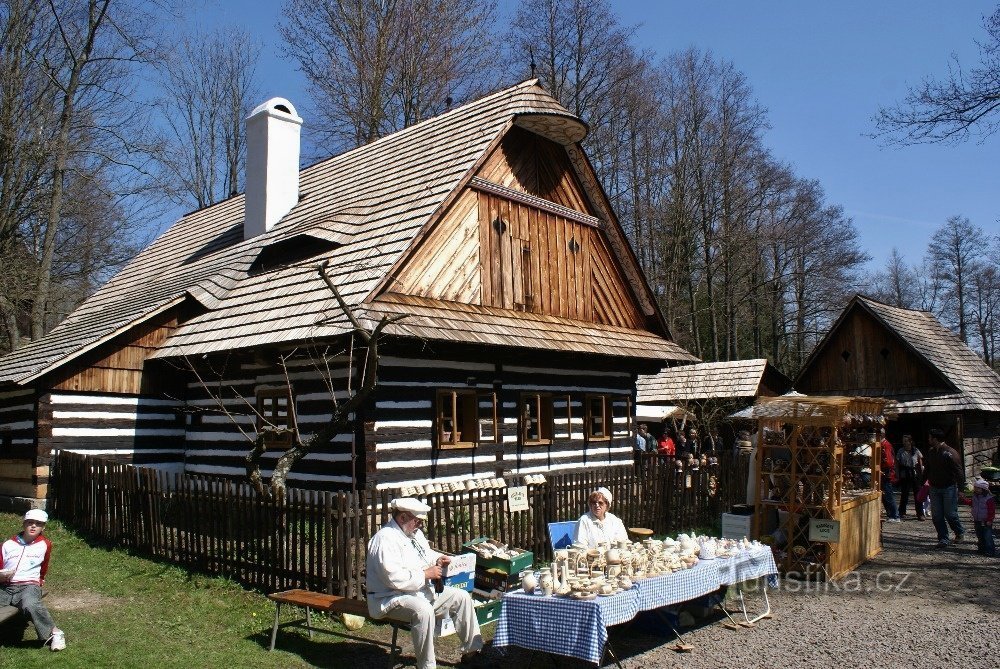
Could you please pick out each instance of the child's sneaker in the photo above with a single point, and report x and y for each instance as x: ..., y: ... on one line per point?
x: 58, y: 639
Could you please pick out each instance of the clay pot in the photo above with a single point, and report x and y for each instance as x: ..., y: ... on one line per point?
x: 528, y: 582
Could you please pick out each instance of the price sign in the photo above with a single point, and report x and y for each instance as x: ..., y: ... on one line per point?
x: 517, y: 498
x: 827, y: 531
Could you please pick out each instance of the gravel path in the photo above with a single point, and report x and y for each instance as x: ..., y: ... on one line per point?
x: 912, y: 606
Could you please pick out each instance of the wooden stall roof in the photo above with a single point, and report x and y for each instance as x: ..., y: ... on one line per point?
x: 806, y: 409
x: 363, y: 209
x: 711, y: 380
x: 975, y: 386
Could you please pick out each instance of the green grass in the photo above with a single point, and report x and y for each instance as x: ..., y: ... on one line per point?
x: 119, y: 610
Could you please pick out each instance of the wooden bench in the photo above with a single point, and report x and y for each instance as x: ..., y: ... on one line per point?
x: 319, y: 601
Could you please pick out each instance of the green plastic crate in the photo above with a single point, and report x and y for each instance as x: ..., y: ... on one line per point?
x: 515, y: 566
x: 488, y: 613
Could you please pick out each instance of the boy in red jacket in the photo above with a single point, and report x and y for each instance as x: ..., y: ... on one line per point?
x: 984, y: 509
x: 25, y: 561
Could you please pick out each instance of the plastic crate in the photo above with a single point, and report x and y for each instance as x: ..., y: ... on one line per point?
x: 488, y: 612
x: 515, y: 566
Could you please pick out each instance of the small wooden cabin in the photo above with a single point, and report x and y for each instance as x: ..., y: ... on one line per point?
x: 527, y: 317
x: 935, y: 379
x: 712, y: 390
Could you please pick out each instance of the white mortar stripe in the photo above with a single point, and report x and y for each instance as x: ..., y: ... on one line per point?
x: 439, y: 479
x: 567, y: 389
x: 591, y: 464
x: 386, y: 424
x: 403, y: 445
x: 114, y: 432
x: 20, y: 407
x: 220, y: 386
x: 112, y: 399
x: 269, y: 455
x: 20, y: 425
x: 119, y: 451
x: 441, y: 462
x: 111, y: 415
x: 239, y: 471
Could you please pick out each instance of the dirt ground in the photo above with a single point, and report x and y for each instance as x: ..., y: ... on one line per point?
x: 913, y: 606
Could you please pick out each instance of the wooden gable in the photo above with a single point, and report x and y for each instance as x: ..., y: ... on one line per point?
x: 861, y: 356
x: 119, y: 366
x: 522, y: 236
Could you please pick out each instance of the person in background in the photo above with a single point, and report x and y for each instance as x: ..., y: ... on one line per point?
x: 25, y: 561
x: 712, y: 445
x: 984, y: 509
x: 693, y: 442
x: 599, y: 525
x: 909, y: 475
x: 945, y: 474
x: 888, y: 479
x: 666, y: 447
x: 682, y: 448
x: 644, y: 443
x: 401, y: 571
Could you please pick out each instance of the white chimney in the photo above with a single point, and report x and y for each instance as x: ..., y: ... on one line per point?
x: 272, y: 178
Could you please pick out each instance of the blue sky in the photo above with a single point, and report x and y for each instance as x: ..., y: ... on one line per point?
x: 822, y: 70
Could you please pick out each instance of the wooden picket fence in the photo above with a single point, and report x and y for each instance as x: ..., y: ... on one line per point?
x: 316, y: 540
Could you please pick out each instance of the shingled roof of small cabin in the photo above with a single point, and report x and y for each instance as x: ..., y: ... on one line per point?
x: 975, y: 385
x: 366, y: 207
x: 708, y: 380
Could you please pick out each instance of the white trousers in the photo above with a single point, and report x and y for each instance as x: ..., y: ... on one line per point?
x: 421, y: 615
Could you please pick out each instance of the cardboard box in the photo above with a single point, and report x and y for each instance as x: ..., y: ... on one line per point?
x: 462, y: 572
x: 489, y: 580
x: 515, y: 566
x: 736, y: 527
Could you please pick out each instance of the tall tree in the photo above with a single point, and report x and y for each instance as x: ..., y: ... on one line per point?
x: 897, y: 283
x: 965, y: 101
x: 954, y: 256
x: 208, y: 91
x: 376, y: 66
x: 69, y: 123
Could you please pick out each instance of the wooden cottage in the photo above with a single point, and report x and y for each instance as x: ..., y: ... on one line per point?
x: 936, y: 380
x: 711, y: 390
x: 527, y: 317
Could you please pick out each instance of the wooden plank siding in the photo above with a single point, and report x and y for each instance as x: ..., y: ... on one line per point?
x: 862, y: 355
x: 118, y: 366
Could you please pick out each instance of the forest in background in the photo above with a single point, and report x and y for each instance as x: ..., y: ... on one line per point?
x: 746, y: 257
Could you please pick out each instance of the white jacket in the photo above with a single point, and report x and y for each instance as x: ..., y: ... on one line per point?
x: 590, y: 531
x: 30, y: 561
x: 395, y: 567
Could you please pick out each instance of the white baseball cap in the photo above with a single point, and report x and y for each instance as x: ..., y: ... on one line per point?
x: 37, y: 514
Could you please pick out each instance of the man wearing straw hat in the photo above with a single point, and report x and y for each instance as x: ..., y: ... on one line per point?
x: 401, y: 570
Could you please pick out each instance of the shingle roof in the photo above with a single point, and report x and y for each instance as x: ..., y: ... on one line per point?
x: 704, y: 380
x: 365, y: 206
x: 977, y: 384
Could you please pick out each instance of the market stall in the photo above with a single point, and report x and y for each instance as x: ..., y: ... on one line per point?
x: 567, y: 609
x: 818, y: 492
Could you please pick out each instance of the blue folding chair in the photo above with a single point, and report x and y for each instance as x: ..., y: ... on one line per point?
x: 561, y: 534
